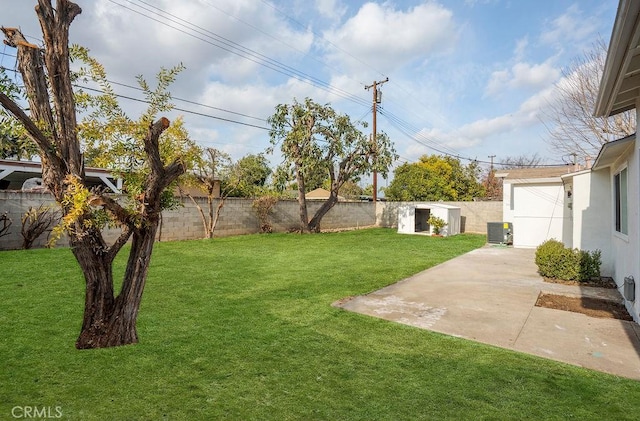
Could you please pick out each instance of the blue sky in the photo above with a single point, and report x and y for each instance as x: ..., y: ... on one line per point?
x: 471, y: 78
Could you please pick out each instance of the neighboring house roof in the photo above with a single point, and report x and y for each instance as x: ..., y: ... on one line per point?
x: 621, y: 79
x: 15, y: 173
x: 320, y: 194
x: 196, y: 191
x: 611, y: 152
x: 539, y: 174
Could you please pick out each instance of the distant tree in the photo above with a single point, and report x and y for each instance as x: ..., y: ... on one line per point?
x: 219, y: 178
x: 492, y: 185
x: 435, y: 178
x: 250, y: 174
x: 521, y: 161
x: 313, y: 137
x: 207, y: 176
x: 351, y: 190
x: 569, y: 119
x: 109, y: 319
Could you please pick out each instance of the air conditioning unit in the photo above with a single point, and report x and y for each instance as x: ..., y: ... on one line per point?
x: 500, y: 232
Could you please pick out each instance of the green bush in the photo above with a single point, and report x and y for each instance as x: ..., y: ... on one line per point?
x: 554, y: 260
x: 437, y: 223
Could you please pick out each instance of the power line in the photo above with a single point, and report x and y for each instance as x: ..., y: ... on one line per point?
x: 232, y: 47
x: 179, y: 109
x: 401, y: 126
x: 191, y: 102
x: 174, y: 98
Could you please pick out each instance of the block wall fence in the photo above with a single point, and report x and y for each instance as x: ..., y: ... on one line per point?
x: 237, y: 217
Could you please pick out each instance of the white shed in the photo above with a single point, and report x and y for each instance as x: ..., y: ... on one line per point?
x: 413, y: 217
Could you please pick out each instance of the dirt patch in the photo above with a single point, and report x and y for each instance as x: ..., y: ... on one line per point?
x: 594, y: 307
x: 603, y: 282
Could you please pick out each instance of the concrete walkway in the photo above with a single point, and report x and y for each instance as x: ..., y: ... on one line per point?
x: 489, y: 295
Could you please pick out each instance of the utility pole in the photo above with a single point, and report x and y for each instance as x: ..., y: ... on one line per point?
x: 377, y: 98
x: 491, y: 157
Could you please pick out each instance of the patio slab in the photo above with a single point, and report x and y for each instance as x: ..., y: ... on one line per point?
x: 489, y: 295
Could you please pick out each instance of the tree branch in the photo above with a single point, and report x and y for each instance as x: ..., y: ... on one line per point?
x: 34, y: 132
x: 55, y: 28
x: 151, y: 147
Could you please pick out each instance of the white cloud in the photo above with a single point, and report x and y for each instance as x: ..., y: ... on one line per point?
x: 200, y: 35
x: 522, y: 75
x: 481, y: 131
x: 521, y: 46
x: 331, y: 9
x: 387, y: 38
x: 572, y: 26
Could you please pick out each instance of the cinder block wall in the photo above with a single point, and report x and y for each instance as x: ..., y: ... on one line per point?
x: 237, y: 217
x: 474, y: 215
x: 185, y: 223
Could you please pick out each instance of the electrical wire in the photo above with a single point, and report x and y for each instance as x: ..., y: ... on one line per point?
x: 232, y: 47
x: 178, y: 109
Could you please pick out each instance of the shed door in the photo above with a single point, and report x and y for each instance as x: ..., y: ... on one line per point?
x: 422, y: 216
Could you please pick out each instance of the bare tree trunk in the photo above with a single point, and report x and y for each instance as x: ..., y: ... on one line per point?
x: 314, y: 224
x: 216, y: 217
x: 302, y: 201
x: 203, y: 218
x: 110, y: 321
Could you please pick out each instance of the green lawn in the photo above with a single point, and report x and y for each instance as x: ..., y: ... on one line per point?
x: 242, y: 328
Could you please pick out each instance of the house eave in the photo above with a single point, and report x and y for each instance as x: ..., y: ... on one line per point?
x: 612, y: 151
x: 620, y: 83
x: 546, y: 180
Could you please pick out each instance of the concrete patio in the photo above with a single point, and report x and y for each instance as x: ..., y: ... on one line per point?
x: 489, y: 296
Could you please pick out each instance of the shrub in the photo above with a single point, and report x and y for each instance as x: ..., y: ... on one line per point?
x: 264, y: 207
x: 554, y: 260
x: 35, y: 222
x: 437, y: 223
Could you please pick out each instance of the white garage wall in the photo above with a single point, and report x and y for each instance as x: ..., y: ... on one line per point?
x: 537, y: 214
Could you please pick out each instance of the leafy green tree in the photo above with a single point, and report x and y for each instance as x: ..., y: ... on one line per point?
x: 435, y: 178
x: 14, y: 143
x: 109, y: 319
x: 314, y: 137
x: 249, y: 175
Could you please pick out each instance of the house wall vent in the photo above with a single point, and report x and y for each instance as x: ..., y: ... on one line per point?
x: 500, y: 232
x: 629, y: 288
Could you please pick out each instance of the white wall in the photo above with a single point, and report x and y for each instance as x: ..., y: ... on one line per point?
x: 591, y: 215
x: 406, y: 219
x: 536, y: 211
x: 626, y: 248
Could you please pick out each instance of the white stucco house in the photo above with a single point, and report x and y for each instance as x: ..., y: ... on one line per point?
x: 534, y: 202
x: 618, y: 164
x: 595, y: 208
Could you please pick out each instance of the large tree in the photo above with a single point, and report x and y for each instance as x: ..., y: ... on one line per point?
x: 314, y: 138
x: 574, y: 131
x: 434, y: 178
x: 109, y: 319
